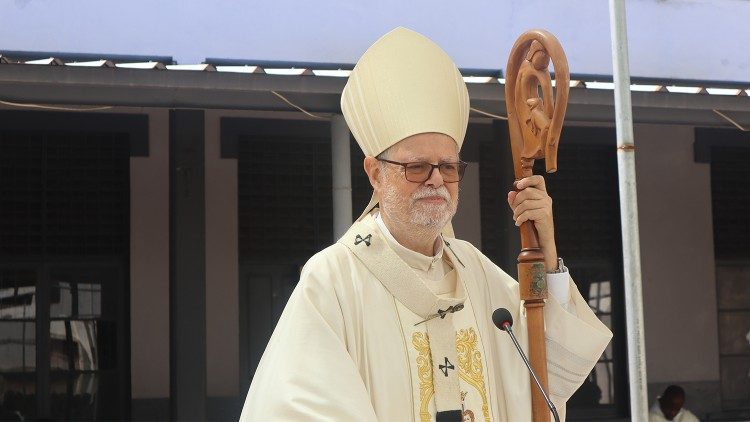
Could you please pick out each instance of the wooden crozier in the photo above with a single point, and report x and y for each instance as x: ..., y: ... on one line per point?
x: 535, y: 118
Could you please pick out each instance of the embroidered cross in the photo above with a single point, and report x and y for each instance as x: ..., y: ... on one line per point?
x: 448, y: 366
x: 359, y: 239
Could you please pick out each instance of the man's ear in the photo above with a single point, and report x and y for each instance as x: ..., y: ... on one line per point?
x: 372, y: 168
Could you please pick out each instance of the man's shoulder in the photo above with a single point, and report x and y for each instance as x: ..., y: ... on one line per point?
x: 329, y: 270
x: 335, y: 255
x: 338, y: 271
x: 655, y: 414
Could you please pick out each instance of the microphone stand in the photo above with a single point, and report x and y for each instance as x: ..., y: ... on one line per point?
x: 507, y: 328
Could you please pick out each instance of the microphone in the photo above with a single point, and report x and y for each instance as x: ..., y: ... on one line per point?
x: 504, y: 321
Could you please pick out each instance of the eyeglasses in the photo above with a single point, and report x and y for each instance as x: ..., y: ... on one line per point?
x: 421, y: 171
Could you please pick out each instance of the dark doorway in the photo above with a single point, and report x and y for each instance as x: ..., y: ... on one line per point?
x: 269, y: 288
x: 285, y: 217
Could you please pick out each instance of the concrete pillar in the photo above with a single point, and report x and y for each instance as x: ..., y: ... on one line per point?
x: 188, y: 266
x: 342, y: 176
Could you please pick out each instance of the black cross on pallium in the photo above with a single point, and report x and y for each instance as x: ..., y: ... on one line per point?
x: 359, y: 239
x: 448, y: 366
x: 442, y: 313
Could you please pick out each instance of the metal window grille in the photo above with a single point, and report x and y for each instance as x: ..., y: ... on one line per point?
x: 285, y: 198
x: 64, y: 193
x: 731, y: 202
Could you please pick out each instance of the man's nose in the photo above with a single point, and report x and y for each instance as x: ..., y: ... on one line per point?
x: 435, y: 179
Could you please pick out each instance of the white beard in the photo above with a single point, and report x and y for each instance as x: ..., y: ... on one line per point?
x: 419, y: 217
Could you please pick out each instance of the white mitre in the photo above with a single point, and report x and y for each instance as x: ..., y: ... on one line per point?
x: 404, y: 85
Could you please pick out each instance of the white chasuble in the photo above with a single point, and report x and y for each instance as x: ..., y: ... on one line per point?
x: 353, y: 345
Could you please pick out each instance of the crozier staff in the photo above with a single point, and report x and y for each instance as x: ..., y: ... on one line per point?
x: 393, y: 321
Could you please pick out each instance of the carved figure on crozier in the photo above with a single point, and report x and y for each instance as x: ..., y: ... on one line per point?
x: 535, y: 102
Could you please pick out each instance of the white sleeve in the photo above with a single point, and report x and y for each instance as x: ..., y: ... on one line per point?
x: 558, y: 285
x: 575, y: 338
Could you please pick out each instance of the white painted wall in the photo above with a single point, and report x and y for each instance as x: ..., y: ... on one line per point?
x: 686, y: 39
x: 676, y: 229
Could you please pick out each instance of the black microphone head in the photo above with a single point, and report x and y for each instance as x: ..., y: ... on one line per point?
x: 501, y: 317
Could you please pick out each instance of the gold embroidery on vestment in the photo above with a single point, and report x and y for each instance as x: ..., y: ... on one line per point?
x: 470, y: 365
x: 421, y: 342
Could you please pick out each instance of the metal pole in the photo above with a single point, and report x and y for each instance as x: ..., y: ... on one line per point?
x: 342, y: 176
x: 629, y: 214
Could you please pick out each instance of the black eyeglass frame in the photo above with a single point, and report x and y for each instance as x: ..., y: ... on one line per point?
x: 461, y: 169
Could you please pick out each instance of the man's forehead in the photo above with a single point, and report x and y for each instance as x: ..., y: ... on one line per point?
x: 428, y: 157
x: 426, y: 146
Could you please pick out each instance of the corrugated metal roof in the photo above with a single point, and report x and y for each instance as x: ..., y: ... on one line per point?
x: 142, y: 81
x: 342, y: 70
x: 24, y: 56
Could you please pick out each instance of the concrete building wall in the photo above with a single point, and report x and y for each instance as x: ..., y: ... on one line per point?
x: 677, y: 256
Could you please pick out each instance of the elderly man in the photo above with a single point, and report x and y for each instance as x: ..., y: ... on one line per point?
x: 393, y: 322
